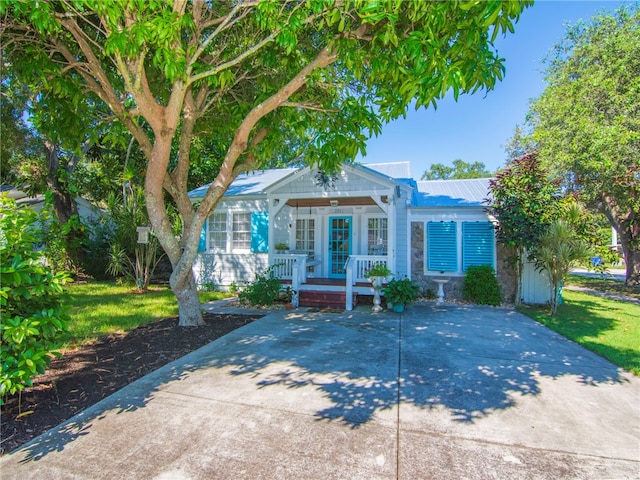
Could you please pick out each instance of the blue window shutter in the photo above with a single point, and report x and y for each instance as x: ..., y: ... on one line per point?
x: 442, y: 247
x: 202, y: 243
x: 259, y: 232
x: 478, y: 243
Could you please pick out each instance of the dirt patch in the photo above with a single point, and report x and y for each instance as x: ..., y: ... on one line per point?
x: 82, y: 377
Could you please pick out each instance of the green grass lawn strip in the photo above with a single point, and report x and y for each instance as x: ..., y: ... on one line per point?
x: 606, y: 327
x: 101, y: 308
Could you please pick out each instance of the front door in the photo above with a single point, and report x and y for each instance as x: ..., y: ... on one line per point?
x: 339, y: 245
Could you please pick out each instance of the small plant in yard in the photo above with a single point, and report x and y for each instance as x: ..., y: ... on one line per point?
x: 401, y: 291
x: 286, y: 295
x: 481, y: 285
x: 264, y: 290
x: 33, y: 319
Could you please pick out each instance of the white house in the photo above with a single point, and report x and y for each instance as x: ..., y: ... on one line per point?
x: 335, y: 227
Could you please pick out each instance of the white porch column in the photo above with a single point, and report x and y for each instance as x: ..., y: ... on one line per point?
x: 391, y: 233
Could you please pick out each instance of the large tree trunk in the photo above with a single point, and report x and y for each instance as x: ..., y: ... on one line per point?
x: 632, y: 260
x: 181, y: 254
x: 185, y: 289
x: 628, y: 227
x: 64, y: 205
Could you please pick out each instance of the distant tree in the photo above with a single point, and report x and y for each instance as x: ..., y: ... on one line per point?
x: 459, y: 170
x: 256, y: 76
x: 519, y: 145
x: 587, y: 122
x: 19, y: 144
x: 525, y: 202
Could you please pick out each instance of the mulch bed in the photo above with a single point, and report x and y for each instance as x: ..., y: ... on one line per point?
x: 82, y: 377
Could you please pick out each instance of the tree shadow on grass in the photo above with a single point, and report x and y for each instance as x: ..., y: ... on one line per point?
x: 584, y: 320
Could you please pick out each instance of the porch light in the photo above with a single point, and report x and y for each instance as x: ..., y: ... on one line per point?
x: 333, y: 203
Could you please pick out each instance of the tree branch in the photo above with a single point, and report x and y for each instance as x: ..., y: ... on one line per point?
x: 309, y: 106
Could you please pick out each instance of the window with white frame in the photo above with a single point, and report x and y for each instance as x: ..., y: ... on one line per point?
x: 305, y: 235
x: 218, y: 232
x: 377, y: 236
x: 241, y: 231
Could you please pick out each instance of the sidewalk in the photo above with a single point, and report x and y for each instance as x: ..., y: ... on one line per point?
x: 440, y: 392
x: 598, y: 293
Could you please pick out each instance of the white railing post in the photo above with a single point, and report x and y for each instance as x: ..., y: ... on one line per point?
x: 349, y: 285
x: 295, y: 283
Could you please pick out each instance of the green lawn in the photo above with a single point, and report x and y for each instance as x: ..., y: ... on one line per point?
x: 100, y: 308
x: 606, y: 327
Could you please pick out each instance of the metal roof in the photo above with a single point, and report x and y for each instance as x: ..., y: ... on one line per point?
x: 391, y: 169
x: 430, y: 193
x: 250, y: 183
x: 451, y: 193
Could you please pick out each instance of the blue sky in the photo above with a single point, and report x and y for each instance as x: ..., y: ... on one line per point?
x: 476, y: 127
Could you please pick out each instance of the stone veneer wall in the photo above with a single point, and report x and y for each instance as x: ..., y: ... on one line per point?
x: 506, y: 274
x: 453, y: 289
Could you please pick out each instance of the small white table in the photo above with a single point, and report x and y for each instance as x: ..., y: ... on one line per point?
x: 440, y: 282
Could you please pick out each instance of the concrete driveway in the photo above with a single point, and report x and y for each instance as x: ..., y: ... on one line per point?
x: 440, y: 392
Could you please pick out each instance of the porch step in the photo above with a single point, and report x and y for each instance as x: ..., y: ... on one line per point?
x: 324, y: 299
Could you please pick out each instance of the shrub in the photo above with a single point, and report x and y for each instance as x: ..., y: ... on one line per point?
x: 32, y: 316
x: 264, y: 290
x: 401, y: 291
x: 481, y: 285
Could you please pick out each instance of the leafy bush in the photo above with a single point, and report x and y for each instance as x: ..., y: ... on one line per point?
x: 481, y: 285
x: 401, y: 291
x: 32, y: 316
x: 264, y: 290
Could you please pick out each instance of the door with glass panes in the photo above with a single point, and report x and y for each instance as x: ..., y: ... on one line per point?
x: 339, y: 245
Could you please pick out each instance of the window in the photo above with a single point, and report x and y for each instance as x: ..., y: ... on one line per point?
x: 241, y: 231
x: 442, y: 247
x: 306, y: 235
x: 218, y: 232
x: 478, y: 241
x: 377, y: 237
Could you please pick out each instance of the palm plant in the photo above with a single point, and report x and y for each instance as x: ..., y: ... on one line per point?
x: 559, y: 251
x: 127, y: 257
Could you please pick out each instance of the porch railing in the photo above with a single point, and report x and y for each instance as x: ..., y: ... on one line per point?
x: 292, y: 267
x: 357, y: 266
x: 288, y: 265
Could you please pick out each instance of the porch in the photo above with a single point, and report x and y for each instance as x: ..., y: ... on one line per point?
x: 293, y: 269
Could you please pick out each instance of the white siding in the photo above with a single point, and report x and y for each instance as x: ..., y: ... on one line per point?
x: 536, y: 289
x: 347, y: 183
x: 223, y: 269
